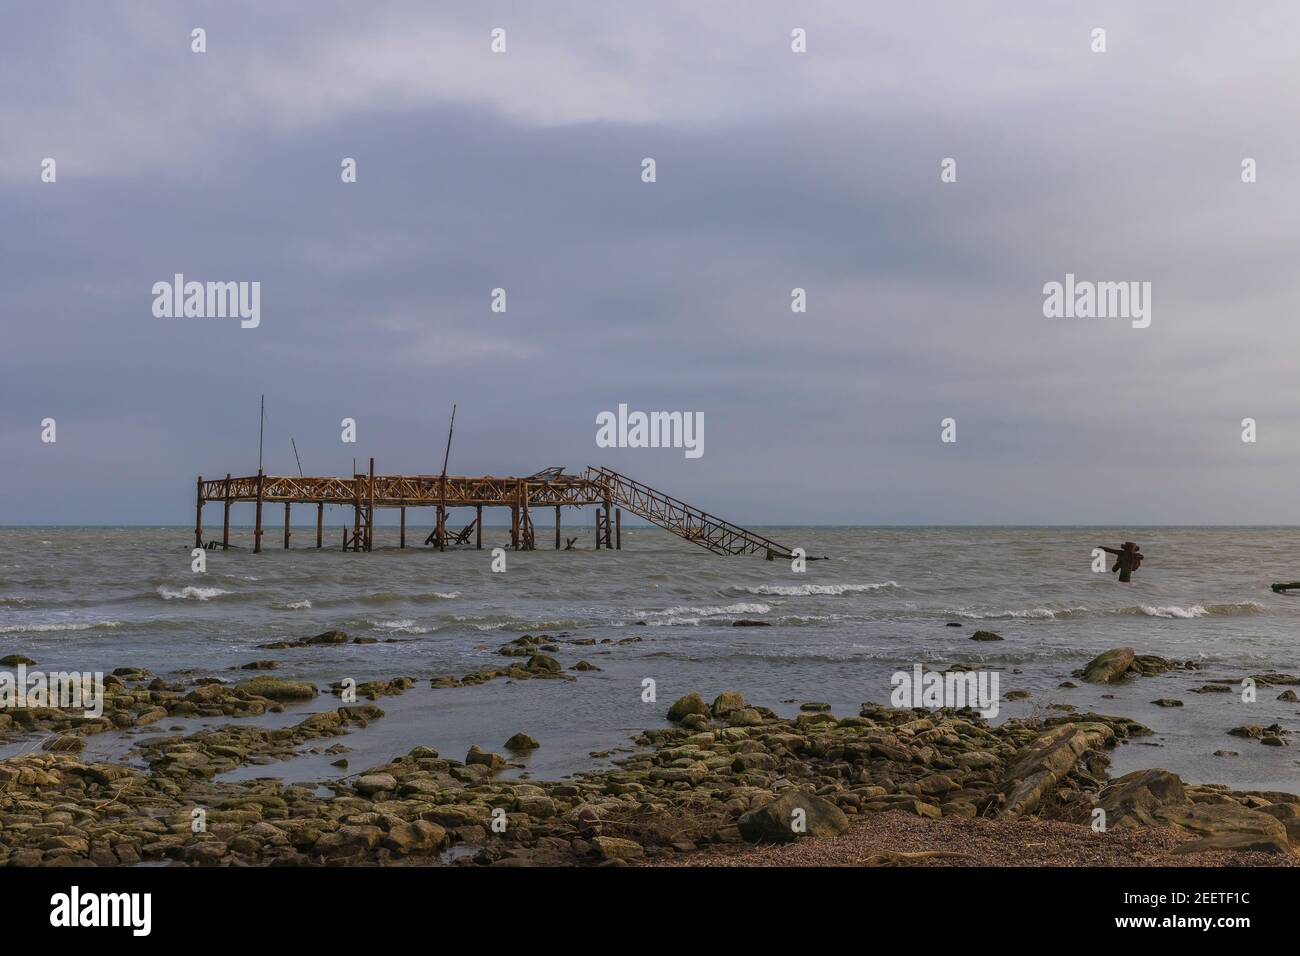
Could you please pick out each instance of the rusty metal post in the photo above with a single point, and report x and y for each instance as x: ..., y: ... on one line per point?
x: 557, y: 527
x: 402, y: 540
x: 478, y: 527
x: 198, y: 515
x: 287, y: 507
x: 618, y: 529
x: 320, y: 524
x: 225, y: 523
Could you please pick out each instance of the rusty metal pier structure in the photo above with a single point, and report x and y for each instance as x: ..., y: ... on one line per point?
x: 610, y: 492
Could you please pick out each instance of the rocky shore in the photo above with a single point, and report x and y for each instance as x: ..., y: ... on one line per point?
x: 726, y: 781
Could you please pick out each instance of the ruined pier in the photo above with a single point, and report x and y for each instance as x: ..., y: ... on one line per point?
x: 608, y: 491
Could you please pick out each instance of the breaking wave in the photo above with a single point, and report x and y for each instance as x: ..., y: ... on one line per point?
x: 802, y: 590
x: 190, y: 593
x: 64, y: 626
x: 750, y: 608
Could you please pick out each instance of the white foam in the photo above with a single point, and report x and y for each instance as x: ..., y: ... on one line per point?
x: 751, y: 608
x: 802, y: 590
x: 190, y: 593
x: 65, y: 626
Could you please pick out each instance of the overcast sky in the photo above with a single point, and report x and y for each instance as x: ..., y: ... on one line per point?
x: 775, y: 170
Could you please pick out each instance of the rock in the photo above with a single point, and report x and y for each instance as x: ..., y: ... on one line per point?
x: 259, y: 666
x: 14, y: 660
x: 537, y: 806
x: 372, y: 783
x: 1256, y: 732
x: 276, y: 689
x: 745, y: 717
x: 1288, y: 814
x: 1133, y: 799
x: 1017, y: 695
x: 690, y: 704
x: 1167, y: 702
x: 1036, y: 770
x: 206, y: 694
x: 420, y: 836
x: 985, y: 636
x: 522, y: 742
x: 616, y: 848
x: 1288, y: 695
x: 65, y: 743
x: 1226, y: 753
x: 483, y: 758
x: 726, y: 702
x: 540, y: 662
x: 780, y: 820
x: 1227, y: 826
x: 745, y: 623
x: 1109, y: 667
x: 329, y: 637
x: 584, y: 666
x: 348, y: 841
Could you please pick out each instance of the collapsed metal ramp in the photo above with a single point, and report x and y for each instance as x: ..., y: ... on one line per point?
x: 679, y: 518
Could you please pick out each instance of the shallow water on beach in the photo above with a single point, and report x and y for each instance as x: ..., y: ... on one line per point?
x: 99, y: 598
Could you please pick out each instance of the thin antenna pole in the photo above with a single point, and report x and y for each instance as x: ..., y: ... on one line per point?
x: 450, y: 429
x: 261, y: 429
x: 295, y: 456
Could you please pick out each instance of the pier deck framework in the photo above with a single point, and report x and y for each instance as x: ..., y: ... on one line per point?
x: 610, y: 492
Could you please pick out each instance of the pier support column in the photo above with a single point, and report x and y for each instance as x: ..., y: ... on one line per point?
x: 440, y: 528
x: 478, y: 527
x: 557, y: 527
x: 525, y: 521
x: 402, y: 539
x: 598, y: 527
x: 618, y: 529
x: 225, y: 522
x: 287, y: 507
x: 320, y: 525
x: 370, y: 511
x: 608, y: 543
x: 514, y: 526
x: 198, y: 516
x: 257, y: 520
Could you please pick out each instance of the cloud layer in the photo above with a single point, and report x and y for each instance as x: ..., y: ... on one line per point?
x: 775, y: 170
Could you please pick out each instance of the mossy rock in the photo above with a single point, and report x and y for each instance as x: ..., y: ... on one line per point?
x: 274, y: 688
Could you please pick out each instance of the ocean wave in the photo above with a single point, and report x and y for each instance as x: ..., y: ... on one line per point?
x: 707, y: 611
x: 389, y: 597
x: 1192, y: 610
x: 1033, y: 613
x: 61, y: 626
x: 803, y: 590
x: 302, y: 605
x: 12, y: 602
x: 189, y: 593
x: 403, y: 626
x: 1170, y: 611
